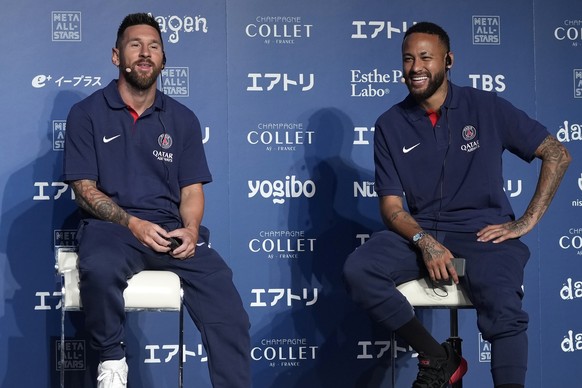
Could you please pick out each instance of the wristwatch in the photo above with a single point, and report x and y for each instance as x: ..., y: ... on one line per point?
x: 416, y: 238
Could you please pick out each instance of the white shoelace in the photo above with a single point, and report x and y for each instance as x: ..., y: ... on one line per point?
x: 110, y: 375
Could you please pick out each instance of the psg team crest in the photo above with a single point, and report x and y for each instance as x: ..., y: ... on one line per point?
x: 165, y: 141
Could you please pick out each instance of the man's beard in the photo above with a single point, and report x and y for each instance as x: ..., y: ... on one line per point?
x: 142, y: 82
x: 433, y: 85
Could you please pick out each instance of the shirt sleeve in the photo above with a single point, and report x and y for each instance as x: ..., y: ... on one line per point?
x: 193, y: 165
x: 521, y: 134
x: 80, y: 160
x: 387, y: 181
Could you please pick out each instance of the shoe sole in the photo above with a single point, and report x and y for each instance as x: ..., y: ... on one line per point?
x: 460, y: 372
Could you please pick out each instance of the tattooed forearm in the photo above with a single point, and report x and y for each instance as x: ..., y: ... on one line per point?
x: 555, y: 160
x: 397, y: 214
x: 92, y: 200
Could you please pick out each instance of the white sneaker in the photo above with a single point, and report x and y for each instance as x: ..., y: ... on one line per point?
x: 112, y: 374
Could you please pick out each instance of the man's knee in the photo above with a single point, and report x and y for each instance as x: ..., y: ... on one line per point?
x: 103, y: 270
x: 506, y: 319
x: 355, y: 270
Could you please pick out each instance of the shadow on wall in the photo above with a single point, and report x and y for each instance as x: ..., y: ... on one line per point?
x: 335, y: 217
x: 36, y: 205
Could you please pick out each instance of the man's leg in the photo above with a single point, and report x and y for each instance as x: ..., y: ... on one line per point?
x: 105, y: 264
x: 372, y: 273
x: 494, y: 278
x: 217, y: 310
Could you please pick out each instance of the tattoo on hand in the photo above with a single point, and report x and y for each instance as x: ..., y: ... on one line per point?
x: 431, y: 250
x: 519, y: 227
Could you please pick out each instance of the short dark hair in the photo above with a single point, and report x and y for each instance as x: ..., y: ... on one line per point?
x: 136, y: 19
x: 432, y: 29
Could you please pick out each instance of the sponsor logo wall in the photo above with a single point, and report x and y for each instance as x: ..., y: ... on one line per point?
x: 287, y: 94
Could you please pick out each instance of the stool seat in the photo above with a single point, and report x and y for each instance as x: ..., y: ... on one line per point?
x: 422, y: 293
x: 146, y: 290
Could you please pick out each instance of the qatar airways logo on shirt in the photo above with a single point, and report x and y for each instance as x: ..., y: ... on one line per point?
x: 165, y: 141
x: 280, y: 190
x: 469, y: 134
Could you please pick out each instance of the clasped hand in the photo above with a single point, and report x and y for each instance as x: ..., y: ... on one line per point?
x: 156, y: 237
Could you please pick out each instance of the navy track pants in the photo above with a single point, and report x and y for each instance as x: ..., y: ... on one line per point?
x: 493, y: 279
x: 109, y: 254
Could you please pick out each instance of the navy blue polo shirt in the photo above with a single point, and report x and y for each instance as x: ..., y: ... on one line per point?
x: 141, y: 164
x: 451, y: 174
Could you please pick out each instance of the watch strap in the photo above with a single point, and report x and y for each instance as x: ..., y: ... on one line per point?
x: 417, y: 237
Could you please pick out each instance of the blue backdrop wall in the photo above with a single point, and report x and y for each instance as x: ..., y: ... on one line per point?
x: 287, y: 93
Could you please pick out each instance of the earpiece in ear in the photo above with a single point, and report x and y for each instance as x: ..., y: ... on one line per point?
x: 448, y: 61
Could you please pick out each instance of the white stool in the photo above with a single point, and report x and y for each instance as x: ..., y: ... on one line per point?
x: 146, y: 291
x: 422, y: 293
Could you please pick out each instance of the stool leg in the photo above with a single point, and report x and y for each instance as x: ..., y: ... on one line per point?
x: 181, y: 348
x: 62, y: 341
x: 455, y: 340
x: 393, y: 358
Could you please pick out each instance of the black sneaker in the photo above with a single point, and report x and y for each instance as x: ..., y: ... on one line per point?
x: 440, y: 372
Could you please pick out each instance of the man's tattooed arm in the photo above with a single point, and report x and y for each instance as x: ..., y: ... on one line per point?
x: 555, y: 160
x: 94, y: 201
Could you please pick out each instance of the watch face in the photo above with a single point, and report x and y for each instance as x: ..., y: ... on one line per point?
x: 418, y: 236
